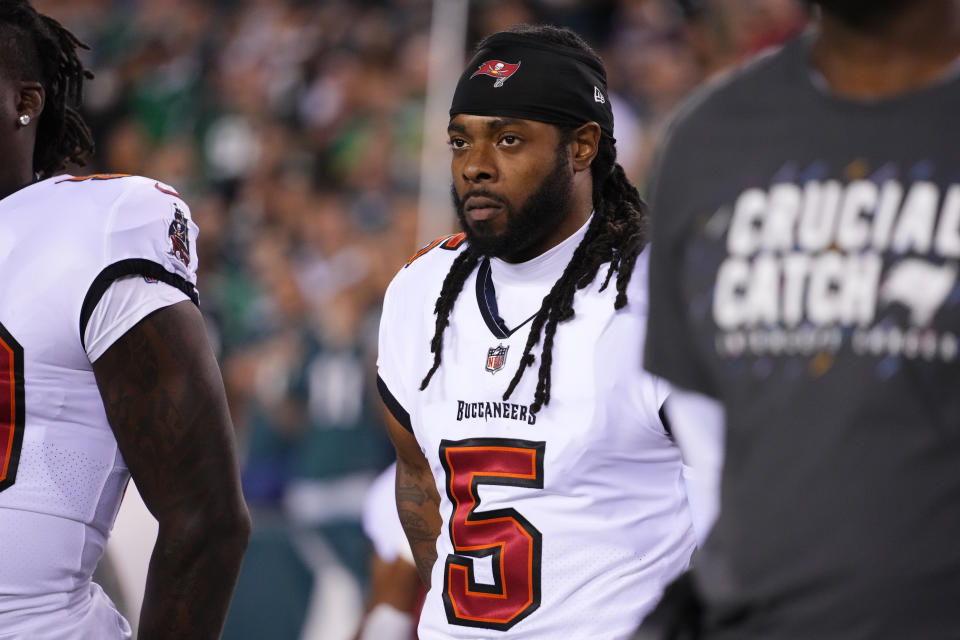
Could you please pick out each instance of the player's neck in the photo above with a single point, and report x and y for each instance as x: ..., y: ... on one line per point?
x: 913, y: 49
x: 18, y: 174
x: 15, y: 181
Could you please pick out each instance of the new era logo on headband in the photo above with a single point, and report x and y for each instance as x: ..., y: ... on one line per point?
x: 598, y: 95
x: 496, y: 69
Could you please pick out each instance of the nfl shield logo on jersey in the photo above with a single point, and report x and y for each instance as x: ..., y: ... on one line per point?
x: 496, y: 358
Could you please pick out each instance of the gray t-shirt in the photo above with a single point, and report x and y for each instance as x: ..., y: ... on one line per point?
x: 804, y: 272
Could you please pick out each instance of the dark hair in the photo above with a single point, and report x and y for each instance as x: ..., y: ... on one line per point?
x: 37, y: 47
x: 617, y: 234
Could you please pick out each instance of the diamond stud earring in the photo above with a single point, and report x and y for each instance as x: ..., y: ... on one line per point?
x: 24, y: 119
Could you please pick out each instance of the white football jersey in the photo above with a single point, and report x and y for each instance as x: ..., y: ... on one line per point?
x: 563, y: 524
x: 63, y: 242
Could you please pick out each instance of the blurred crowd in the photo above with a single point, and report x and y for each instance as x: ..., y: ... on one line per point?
x: 293, y: 128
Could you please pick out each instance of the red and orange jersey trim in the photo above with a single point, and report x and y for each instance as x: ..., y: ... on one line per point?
x: 450, y: 243
x: 95, y: 176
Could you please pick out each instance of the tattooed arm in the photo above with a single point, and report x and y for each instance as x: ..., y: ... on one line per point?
x: 164, y: 398
x: 418, y: 502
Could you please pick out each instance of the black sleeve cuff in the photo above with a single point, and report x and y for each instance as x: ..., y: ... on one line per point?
x: 122, y: 269
x: 396, y: 410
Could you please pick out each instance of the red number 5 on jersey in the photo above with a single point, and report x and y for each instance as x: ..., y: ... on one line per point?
x: 513, y: 544
x: 11, y: 407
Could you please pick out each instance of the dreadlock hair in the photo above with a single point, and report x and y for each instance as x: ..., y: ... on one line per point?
x: 37, y: 47
x: 617, y: 234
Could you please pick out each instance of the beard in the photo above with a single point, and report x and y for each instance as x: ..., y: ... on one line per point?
x: 863, y: 13
x: 527, y: 226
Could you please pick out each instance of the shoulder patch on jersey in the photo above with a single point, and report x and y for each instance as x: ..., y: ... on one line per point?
x: 96, y: 176
x: 450, y: 243
x: 179, y: 236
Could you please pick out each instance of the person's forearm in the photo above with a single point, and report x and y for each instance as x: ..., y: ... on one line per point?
x: 193, y: 571
x: 418, y: 504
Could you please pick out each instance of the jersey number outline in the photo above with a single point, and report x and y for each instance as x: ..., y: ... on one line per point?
x: 512, y: 543
x: 11, y: 407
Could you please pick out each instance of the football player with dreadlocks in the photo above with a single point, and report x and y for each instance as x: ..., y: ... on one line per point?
x: 537, y: 482
x: 105, y: 372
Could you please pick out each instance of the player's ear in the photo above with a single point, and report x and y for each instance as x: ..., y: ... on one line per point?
x: 31, y: 99
x: 586, y: 142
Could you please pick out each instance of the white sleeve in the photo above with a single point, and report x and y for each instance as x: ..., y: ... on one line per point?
x: 125, y: 303
x: 150, y: 223
x: 393, y: 371
x: 149, y: 234
x: 698, y: 423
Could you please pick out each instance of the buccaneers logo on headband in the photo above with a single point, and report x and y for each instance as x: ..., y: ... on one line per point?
x: 496, y: 69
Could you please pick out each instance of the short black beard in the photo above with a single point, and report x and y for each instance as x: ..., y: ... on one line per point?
x: 527, y: 227
x: 863, y: 13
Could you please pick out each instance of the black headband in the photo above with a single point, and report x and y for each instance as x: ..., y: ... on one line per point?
x: 521, y: 76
